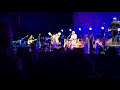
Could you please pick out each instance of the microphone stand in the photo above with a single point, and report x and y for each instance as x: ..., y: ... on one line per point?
x: 39, y: 41
x: 68, y: 36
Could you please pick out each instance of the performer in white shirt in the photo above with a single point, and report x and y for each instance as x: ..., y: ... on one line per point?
x: 73, y: 39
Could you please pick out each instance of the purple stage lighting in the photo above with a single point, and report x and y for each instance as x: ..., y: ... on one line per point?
x: 102, y: 27
x: 79, y: 29
x: 96, y: 20
x: 90, y: 28
x: 70, y: 29
x: 61, y: 30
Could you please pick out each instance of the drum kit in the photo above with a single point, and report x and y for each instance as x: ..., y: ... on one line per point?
x: 78, y: 43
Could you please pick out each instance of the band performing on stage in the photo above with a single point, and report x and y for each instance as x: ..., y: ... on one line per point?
x: 72, y: 41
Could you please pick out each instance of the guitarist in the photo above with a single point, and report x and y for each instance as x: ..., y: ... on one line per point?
x: 31, y: 38
x: 31, y: 42
x: 55, y: 39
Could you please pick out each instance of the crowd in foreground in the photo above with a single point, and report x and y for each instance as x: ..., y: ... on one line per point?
x: 70, y: 64
x: 59, y: 64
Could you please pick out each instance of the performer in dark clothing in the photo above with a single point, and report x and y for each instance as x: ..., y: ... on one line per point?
x: 114, y: 28
x: 31, y: 42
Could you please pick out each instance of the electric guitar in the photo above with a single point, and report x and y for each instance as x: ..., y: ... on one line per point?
x: 31, y: 41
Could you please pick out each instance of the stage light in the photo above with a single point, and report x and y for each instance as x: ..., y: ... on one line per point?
x: 70, y: 29
x: 80, y: 29
x: 102, y: 27
x: 90, y: 28
x: 49, y: 33
x: 61, y: 30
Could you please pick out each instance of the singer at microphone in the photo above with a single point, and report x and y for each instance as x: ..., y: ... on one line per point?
x: 73, y: 38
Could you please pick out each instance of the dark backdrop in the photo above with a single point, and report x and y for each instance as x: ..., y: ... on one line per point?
x: 37, y: 22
